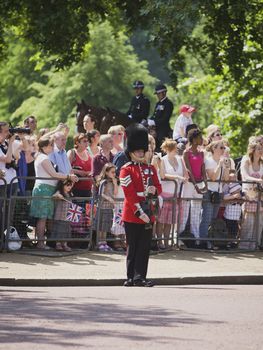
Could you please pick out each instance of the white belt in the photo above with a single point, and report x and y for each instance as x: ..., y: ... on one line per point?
x: 140, y: 194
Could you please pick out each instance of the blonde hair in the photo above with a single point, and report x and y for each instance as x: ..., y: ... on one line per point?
x: 115, y: 129
x: 104, y: 138
x: 210, y: 131
x: 213, y: 145
x: 168, y: 145
x: 151, y: 141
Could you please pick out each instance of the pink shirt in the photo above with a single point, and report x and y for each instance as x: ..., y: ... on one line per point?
x: 196, y: 161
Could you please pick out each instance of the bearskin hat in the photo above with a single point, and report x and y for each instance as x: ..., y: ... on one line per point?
x: 137, y: 138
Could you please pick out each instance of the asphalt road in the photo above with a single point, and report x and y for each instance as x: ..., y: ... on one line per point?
x: 167, y: 317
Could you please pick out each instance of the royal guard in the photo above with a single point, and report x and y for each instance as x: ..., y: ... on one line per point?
x: 140, y: 184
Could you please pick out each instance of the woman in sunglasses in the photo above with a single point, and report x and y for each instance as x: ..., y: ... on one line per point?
x: 213, y: 133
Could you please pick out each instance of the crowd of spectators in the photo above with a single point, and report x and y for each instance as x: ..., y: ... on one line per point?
x: 192, y: 168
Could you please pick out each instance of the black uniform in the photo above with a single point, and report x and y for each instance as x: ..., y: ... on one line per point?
x: 162, y: 114
x: 139, y: 108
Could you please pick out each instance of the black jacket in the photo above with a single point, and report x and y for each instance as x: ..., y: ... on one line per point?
x: 139, y: 108
x: 162, y: 114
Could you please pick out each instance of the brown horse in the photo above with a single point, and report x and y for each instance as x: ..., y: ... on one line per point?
x: 104, y: 117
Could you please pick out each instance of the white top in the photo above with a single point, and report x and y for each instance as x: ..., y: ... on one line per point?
x: 181, y: 122
x: 169, y: 186
x: 211, y: 164
x: 250, y: 189
x: 41, y: 172
x: 9, y: 173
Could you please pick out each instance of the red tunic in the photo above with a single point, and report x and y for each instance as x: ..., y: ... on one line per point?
x: 133, y: 178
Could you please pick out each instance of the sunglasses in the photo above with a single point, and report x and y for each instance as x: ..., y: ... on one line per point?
x: 222, y: 147
x: 218, y: 134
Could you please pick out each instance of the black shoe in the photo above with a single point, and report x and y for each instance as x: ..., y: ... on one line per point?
x: 128, y: 283
x: 143, y: 283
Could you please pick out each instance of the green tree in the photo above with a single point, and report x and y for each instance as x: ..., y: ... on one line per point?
x: 103, y: 78
x: 17, y: 72
x: 60, y: 27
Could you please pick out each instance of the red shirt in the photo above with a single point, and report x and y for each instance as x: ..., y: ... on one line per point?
x: 133, y: 178
x: 85, y: 165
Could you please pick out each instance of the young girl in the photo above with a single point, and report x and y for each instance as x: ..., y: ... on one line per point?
x: 61, y: 226
x: 108, y: 190
x: 194, y: 189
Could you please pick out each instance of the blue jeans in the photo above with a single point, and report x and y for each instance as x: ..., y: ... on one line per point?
x: 209, y: 212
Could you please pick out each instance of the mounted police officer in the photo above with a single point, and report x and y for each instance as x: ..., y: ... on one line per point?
x: 161, y: 116
x: 140, y: 105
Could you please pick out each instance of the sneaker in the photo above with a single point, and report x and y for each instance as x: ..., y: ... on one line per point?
x: 108, y: 248
x: 102, y: 248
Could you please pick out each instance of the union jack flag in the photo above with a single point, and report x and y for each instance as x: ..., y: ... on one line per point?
x: 118, y: 217
x: 74, y: 213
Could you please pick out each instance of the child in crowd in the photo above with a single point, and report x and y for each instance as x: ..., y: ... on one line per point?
x: 61, y: 227
x: 108, y: 190
x: 233, y: 198
x: 184, y: 120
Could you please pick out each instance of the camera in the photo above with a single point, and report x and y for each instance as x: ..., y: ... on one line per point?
x: 11, y: 165
x: 19, y: 131
x: 227, y: 162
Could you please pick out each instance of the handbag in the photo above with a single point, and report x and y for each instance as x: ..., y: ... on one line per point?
x: 215, y: 197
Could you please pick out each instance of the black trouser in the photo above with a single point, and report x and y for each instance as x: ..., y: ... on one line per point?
x: 138, y: 241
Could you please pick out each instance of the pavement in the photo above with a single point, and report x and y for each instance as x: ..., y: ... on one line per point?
x: 198, y: 317
x: 90, y: 268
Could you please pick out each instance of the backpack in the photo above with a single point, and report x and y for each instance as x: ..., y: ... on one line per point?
x: 218, y: 229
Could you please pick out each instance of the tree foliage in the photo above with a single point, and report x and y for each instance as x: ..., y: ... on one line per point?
x: 103, y: 78
x: 59, y: 28
x: 214, y: 49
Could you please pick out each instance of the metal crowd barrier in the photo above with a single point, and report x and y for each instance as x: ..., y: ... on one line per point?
x: 167, y: 215
x: 78, y: 211
x: 199, y: 227
x: 88, y: 216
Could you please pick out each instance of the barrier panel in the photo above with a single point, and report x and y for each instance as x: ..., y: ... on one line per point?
x: 69, y: 220
x: 189, y: 221
x: 225, y: 222
x: 3, y: 199
x: 110, y: 233
x: 166, y: 218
